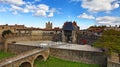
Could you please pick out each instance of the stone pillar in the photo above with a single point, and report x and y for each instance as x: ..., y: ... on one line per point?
x: 73, y: 36
x: 63, y: 36
x: 32, y: 64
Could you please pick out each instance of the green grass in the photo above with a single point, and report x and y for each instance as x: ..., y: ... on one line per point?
x: 55, y: 62
x: 4, y: 55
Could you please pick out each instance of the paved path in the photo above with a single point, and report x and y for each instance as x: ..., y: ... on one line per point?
x: 20, y: 56
x: 61, y: 45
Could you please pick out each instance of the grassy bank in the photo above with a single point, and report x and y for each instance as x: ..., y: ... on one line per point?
x: 4, y: 55
x: 55, y: 62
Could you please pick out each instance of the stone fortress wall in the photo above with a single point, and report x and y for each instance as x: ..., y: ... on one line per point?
x: 29, y: 38
x: 80, y: 56
x: 41, y: 37
x: 66, y: 54
x: 17, y: 48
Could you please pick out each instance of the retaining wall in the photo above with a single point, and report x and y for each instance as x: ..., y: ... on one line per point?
x: 17, y: 48
x: 80, y: 56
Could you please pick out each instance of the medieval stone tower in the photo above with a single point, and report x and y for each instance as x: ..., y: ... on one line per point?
x: 69, y: 32
x: 48, y: 25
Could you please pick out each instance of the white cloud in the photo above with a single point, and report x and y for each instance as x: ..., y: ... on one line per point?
x: 35, y: 1
x: 84, y: 15
x: 100, y: 5
x: 43, y: 7
x: 42, y: 10
x: 16, y: 2
x: 3, y: 9
x: 30, y: 7
x: 52, y: 10
x: 37, y: 10
x: 51, y: 14
x: 116, y: 5
x: 40, y: 13
x: 14, y: 7
x: 25, y: 10
x: 108, y: 20
x: 18, y: 6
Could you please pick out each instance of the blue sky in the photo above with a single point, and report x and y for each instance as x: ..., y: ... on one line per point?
x: 35, y: 13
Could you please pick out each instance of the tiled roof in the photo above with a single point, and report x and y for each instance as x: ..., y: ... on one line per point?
x: 96, y: 29
x: 57, y: 29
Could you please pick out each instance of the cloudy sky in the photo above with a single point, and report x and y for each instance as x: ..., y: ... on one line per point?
x: 37, y: 12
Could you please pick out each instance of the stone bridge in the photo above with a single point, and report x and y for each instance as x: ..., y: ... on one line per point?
x: 26, y: 59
